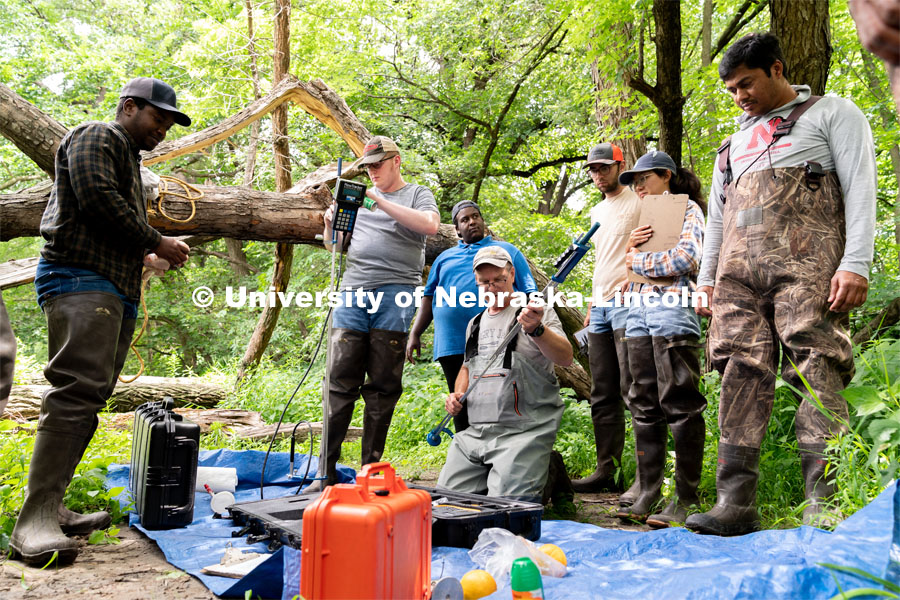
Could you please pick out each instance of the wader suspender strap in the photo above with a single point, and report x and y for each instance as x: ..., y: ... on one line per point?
x: 472, y: 342
x: 781, y: 130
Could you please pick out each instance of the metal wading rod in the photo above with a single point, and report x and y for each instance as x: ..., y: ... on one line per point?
x: 564, y: 264
x: 326, y: 382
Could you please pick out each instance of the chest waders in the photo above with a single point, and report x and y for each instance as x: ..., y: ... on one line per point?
x: 514, y: 414
x: 783, y: 239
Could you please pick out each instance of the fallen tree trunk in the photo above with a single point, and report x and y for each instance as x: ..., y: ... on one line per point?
x: 234, y: 212
x: 33, y: 132
x: 25, y: 400
x: 887, y: 318
x: 264, y: 432
x: 204, y: 417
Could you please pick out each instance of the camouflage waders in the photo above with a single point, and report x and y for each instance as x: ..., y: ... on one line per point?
x: 783, y: 239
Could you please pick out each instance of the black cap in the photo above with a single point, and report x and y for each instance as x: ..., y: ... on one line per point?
x: 655, y: 159
x: 158, y: 93
x: 459, y: 206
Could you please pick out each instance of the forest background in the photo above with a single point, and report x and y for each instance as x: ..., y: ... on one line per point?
x: 496, y: 102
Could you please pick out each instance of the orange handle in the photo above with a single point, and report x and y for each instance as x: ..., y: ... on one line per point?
x: 369, y: 471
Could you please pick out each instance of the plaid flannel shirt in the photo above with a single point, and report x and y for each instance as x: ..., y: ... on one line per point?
x: 681, y: 262
x: 96, y: 218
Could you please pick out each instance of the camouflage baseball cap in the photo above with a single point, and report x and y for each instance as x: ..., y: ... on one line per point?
x: 376, y: 150
x: 492, y: 255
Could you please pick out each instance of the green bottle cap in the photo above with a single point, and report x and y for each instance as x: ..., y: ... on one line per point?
x: 525, y: 576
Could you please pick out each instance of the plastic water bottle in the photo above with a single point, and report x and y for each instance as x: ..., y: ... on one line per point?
x: 525, y: 580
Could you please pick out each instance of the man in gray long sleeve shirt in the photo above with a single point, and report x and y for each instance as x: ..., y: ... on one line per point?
x: 787, y: 253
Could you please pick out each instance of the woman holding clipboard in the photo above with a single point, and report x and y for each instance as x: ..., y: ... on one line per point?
x: 663, y: 337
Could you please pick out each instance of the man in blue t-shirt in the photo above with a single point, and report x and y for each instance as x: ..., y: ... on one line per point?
x: 452, y: 271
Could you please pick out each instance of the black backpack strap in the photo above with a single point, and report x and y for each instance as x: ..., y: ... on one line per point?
x: 724, y: 164
x: 784, y: 128
x: 472, y: 341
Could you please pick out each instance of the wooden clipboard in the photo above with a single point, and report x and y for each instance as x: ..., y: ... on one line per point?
x: 665, y: 214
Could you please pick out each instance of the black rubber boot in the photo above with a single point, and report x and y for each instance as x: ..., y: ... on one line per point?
x: 631, y: 494
x: 678, y: 375
x: 382, y: 389
x: 819, y: 486
x: 349, y: 349
x: 607, y: 414
x: 73, y: 523
x: 87, y: 343
x: 650, y: 441
x: 689, y: 437
x: 7, y: 356
x: 735, y: 509
x: 558, y: 490
x: 37, y: 535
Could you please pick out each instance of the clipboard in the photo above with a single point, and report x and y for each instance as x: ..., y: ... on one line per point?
x: 665, y: 214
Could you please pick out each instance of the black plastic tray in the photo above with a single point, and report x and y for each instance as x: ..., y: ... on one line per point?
x: 457, y: 518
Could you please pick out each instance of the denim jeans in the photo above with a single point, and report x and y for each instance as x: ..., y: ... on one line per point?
x: 605, y: 319
x: 359, y: 317
x: 661, y: 321
x: 52, y: 280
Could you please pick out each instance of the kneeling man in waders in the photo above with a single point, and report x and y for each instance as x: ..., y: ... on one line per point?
x: 515, y: 412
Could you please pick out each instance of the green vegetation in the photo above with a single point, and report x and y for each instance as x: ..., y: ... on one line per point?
x: 436, y: 76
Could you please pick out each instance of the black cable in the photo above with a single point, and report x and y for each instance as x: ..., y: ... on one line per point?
x: 262, y: 476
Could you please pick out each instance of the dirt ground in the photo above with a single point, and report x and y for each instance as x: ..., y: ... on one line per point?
x: 137, y: 570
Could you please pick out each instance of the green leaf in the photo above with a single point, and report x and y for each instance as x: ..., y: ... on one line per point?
x: 860, y: 573
x: 865, y: 399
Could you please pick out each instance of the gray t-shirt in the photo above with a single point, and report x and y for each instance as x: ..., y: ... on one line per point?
x: 382, y: 251
x: 495, y: 327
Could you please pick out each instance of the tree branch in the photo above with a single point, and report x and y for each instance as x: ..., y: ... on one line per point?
x: 736, y: 24
x: 538, y: 166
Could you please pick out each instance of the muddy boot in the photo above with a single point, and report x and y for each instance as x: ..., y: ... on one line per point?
x: 73, y: 523
x: 735, y: 509
x: 631, y: 494
x: 819, y: 486
x: 689, y: 437
x: 349, y: 349
x: 607, y: 414
x: 651, y: 450
x: 558, y: 490
x: 37, y: 535
x: 382, y: 389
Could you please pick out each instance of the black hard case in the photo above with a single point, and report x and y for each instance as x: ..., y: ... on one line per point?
x: 456, y: 518
x: 163, y: 465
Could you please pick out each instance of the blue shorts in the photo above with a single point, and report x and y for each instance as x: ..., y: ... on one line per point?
x: 605, y: 319
x: 54, y: 280
x: 661, y: 321
x: 389, y: 316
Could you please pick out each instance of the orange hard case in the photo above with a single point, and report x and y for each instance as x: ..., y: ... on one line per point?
x: 371, y: 540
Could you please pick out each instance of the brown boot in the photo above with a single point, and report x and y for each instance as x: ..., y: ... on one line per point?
x: 348, y: 353
x: 382, y: 389
x: 689, y: 438
x: 607, y: 414
x: 650, y: 441
x: 819, y: 487
x: 735, y: 509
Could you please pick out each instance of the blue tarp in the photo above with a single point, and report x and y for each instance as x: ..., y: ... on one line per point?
x: 603, y: 563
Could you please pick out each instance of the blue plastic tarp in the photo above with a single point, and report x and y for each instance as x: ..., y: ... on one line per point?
x: 675, y: 563
x: 203, y: 542
x: 603, y: 563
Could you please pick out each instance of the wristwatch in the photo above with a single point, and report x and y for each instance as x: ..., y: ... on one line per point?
x: 538, y: 331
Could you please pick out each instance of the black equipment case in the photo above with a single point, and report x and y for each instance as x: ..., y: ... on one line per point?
x: 163, y: 465
x: 456, y: 518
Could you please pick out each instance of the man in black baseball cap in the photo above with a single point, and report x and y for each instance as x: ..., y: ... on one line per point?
x: 88, y: 284
x: 158, y: 93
